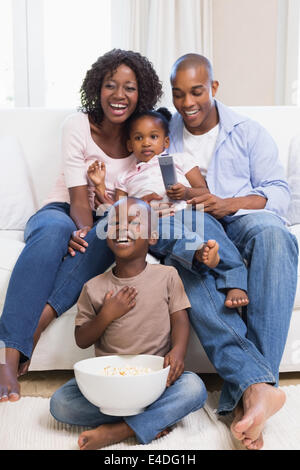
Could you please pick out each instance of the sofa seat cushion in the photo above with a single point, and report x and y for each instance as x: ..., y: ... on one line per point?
x: 10, y: 250
x: 12, y: 235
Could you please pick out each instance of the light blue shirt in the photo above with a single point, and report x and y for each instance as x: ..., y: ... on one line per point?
x: 245, y: 161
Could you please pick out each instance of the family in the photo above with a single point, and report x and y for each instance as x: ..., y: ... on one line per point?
x: 245, y: 259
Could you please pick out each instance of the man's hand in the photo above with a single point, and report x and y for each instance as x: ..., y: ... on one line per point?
x: 115, y: 306
x: 177, y: 191
x: 214, y: 205
x: 175, y: 360
x: 77, y: 241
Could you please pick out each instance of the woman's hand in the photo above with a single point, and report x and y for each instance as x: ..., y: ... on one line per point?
x: 177, y: 191
x: 175, y: 360
x: 77, y: 242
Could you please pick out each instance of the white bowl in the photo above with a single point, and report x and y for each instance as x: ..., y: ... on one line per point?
x: 121, y: 395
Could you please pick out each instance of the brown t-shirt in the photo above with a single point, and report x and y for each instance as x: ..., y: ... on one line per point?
x: 145, y: 329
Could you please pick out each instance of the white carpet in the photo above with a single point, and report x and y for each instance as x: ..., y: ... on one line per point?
x: 27, y: 424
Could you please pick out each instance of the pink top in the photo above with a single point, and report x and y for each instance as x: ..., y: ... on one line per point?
x: 145, y: 178
x: 79, y: 150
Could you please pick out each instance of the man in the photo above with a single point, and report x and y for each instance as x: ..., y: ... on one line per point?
x: 250, y: 197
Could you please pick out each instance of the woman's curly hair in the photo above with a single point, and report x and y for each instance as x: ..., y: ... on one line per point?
x: 149, y: 85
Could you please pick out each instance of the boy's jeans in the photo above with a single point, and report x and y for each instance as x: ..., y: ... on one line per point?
x: 185, y: 396
x: 41, y: 274
x: 248, y: 352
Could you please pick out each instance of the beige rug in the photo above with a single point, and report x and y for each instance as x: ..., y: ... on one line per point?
x: 27, y: 424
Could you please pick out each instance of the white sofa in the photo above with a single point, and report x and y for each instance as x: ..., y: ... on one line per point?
x: 38, y: 131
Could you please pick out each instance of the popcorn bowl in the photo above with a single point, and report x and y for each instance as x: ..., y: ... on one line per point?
x: 118, y: 395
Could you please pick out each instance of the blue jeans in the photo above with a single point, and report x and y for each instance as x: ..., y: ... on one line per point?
x: 184, y: 396
x: 250, y: 351
x: 44, y: 274
x: 194, y: 228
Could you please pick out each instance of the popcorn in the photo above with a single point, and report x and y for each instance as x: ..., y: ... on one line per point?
x: 126, y: 370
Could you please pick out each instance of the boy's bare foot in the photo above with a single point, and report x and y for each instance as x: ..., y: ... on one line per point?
x: 260, y: 401
x: 236, y: 298
x: 208, y: 254
x: 104, y: 435
x: 108, y: 434
x: 9, y: 386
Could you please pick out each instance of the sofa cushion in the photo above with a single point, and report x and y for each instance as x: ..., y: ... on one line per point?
x: 293, y: 175
x: 295, y: 230
x: 16, y: 193
x: 9, y: 252
x: 12, y: 235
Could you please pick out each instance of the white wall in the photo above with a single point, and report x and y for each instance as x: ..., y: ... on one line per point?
x: 245, y: 51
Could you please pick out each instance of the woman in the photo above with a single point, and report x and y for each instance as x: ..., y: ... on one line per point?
x: 45, y: 282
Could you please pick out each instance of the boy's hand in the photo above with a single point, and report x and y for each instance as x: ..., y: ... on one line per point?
x: 96, y: 172
x: 177, y: 191
x: 175, y: 360
x: 115, y: 306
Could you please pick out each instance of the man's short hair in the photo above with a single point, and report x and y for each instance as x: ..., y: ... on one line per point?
x: 192, y: 60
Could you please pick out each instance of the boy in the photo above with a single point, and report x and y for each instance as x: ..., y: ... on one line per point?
x: 136, y: 308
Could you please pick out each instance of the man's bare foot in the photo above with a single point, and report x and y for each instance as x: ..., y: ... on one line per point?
x: 108, y: 434
x: 208, y: 254
x: 9, y: 386
x: 236, y: 298
x: 260, y: 401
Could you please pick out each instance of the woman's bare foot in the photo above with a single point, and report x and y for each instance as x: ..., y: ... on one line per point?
x: 208, y: 254
x: 260, y: 401
x: 48, y: 314
x: 9, y: 386
x: 236, y: 298
x: 23, y: 368
x: 108, y: 434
